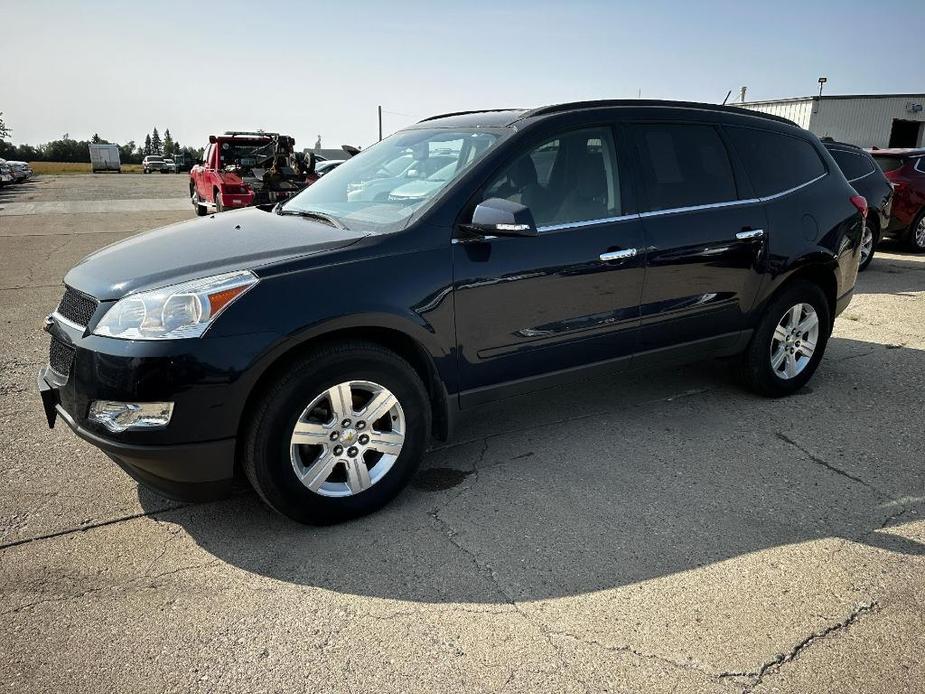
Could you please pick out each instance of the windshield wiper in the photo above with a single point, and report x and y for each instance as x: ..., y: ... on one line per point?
x: 312, y: 214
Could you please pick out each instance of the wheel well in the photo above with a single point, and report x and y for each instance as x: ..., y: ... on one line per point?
x: 400, y: 343
x: 819, y: 275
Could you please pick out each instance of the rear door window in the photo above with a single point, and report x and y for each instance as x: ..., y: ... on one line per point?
x: 684, y: 165
x: 852, y: 164
x: 775, y: 162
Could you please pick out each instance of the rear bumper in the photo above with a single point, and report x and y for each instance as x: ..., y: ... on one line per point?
x: 191, y: 472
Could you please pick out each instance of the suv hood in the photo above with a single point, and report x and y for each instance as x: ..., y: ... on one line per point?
x: 239, y: 240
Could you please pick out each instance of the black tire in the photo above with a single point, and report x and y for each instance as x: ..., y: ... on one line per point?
x: 266, y: 440
x: 875, y: 232
x: 915, y: 244
x: 201, y: 210
x: 755, y: 368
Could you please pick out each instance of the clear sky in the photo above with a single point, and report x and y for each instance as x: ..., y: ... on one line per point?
x: 309, y: 68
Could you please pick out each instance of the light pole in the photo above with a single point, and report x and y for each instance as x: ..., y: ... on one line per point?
x: 822, y: 81
x: 380, y: 124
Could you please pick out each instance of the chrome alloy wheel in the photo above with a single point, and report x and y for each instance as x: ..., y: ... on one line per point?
x: 347, y: 439
x: 920, y: 233
x: 794, y: 341
x: 867, y: 244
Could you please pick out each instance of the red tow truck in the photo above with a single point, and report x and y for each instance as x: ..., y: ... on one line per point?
x: 248, y: 168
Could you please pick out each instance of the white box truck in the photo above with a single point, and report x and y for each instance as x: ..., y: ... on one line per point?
x: 105, y: 158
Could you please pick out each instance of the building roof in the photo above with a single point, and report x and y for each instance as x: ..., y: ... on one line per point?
x: 832, y: 97
x: 897, y: 151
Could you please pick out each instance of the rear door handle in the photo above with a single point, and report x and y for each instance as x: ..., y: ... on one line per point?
x: 750, y: 234
x: 619, y: 255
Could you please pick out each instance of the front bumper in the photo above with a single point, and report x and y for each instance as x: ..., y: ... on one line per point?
x: 207, y: 379
x: 191, y: 472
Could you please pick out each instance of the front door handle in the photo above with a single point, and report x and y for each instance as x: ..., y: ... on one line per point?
x: 750, y: 234
x: 619, y: 255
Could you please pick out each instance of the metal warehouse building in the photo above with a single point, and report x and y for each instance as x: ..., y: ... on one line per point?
x: 867, y: 120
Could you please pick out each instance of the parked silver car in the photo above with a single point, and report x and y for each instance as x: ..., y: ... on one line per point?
x: 6, y: 172
x: 21, y: 171
x: 151, y: 163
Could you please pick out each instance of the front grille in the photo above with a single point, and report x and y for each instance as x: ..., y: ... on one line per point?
x: 60, y: 357
x: 77, y: 307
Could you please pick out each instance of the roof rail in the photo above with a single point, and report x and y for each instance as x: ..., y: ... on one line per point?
x: 466, y: 113
x: 605, y: 103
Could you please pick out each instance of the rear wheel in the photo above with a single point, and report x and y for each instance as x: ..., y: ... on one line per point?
x: 789, y: 342
x: 916, y: 238
x: 869, y: 240
x: 338, y: 434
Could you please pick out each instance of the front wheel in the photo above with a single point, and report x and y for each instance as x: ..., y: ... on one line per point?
x: 338, y: 434
x: 201, y: 210
x: 789, y: 342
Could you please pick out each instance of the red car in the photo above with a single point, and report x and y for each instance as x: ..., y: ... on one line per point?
x: 905, y: 168
x: 247, y: 168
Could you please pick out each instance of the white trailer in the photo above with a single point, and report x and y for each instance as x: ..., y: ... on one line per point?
x: 105, y: 158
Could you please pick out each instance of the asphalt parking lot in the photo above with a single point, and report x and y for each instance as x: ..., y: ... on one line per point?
x: 662, y: 532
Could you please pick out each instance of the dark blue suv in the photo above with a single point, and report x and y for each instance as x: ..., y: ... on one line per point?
x: 316, y: 346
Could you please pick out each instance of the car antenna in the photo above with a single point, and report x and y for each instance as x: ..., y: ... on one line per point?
x: 728, y: 94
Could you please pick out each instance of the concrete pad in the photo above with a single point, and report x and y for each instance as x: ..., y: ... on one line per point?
x: 648, y: 532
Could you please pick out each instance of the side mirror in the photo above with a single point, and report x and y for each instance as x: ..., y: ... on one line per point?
x: 500, y: 217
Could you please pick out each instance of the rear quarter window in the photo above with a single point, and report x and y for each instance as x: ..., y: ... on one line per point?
x: 684, y: 165
x: 888, y: 164
x: 775, y: 162
x: 852, y: 164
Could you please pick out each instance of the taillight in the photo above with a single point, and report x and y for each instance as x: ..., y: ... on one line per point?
x: 860, y: 202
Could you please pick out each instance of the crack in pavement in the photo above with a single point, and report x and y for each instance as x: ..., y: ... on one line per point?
x: 688, y: 666
x: 138, y: 582
x: 91, y: 526
x: 819, y: 461
x: 775, y: 664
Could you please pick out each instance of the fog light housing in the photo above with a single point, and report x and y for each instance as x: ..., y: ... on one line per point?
x: 122, y: 416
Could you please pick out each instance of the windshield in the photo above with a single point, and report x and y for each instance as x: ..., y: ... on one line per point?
x: 359, y: 192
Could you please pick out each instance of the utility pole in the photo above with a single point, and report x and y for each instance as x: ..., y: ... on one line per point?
x: 380, y: 124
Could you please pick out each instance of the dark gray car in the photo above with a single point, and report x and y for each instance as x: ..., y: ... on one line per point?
x: 868, y: 180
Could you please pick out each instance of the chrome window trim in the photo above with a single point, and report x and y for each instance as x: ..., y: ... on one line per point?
x: 918, y: 164
x: 794, y: 189
x: 869, y: 173
x: 676, y: 210
x: 697, y: 208
x: 585, y: 223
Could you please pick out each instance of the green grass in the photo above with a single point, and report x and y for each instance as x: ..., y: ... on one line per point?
x: 64, y: 167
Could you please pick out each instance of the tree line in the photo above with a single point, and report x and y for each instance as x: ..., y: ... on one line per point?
x: 71, y: 150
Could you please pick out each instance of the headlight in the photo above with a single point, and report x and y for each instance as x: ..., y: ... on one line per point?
x: 174, y: 312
